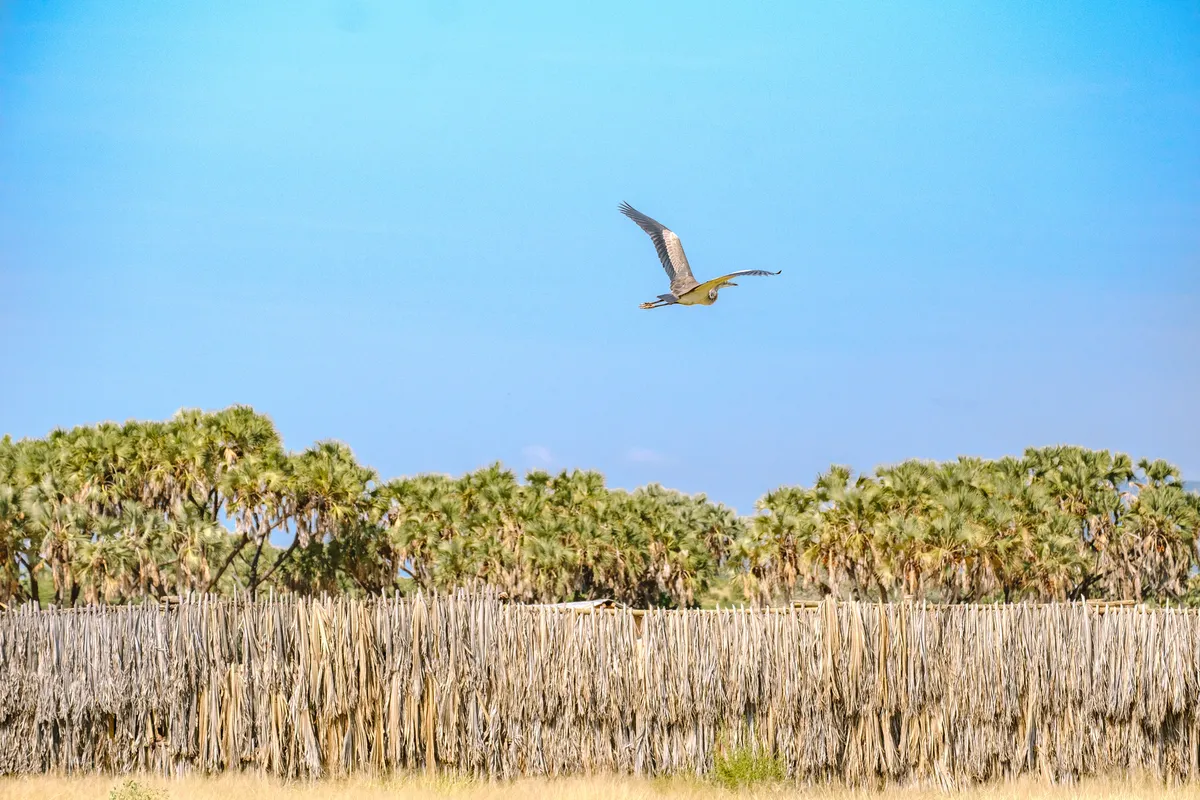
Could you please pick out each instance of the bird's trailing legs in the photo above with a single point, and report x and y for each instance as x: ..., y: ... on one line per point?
x: 663, y: 300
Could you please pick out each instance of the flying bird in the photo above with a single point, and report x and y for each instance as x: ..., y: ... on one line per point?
x: 685, y: 289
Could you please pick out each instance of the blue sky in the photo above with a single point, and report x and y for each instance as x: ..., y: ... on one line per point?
x: 395, y: 224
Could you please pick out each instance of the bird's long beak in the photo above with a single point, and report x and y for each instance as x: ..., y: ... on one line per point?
x: 730, y: 283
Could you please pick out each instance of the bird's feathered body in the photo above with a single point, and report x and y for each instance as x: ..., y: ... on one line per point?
x: 685, y: 289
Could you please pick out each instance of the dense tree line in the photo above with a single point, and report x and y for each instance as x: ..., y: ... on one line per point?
x: 116, y: 513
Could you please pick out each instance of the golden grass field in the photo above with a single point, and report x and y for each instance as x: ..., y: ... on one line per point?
x: 99, y: 787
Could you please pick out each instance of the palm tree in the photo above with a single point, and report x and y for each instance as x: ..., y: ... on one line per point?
x: 1162, y: 529
x: 12, y: 537
x: 777, y: 555
x: 62, y: 525
x: 327, y: 494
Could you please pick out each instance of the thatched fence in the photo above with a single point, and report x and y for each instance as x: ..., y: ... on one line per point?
x: 840, y: 691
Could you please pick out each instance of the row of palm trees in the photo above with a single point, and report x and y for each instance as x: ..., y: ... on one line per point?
x: 212, y: 502
x: 1059, y: 523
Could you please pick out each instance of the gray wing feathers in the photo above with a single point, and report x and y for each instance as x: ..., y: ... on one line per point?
x: 751, y: 272
x: 683, y: 279
x: 669, y: 249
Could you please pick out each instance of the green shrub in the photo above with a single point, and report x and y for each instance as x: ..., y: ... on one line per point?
x: 743, y: 767
x: 132, y: 790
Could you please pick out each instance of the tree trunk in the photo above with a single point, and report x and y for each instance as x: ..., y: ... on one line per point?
x: 215, y: 578
x: 279, y: 561
x: 254, y: 565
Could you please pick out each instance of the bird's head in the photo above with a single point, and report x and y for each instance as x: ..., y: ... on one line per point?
x: 712, y: 293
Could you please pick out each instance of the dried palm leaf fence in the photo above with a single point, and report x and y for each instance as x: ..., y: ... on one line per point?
x: 837, y: 691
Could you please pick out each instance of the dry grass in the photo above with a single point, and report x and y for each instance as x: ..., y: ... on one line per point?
x: 98, y: 787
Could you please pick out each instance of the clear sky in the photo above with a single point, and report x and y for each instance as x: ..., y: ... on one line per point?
x: 395, y: 224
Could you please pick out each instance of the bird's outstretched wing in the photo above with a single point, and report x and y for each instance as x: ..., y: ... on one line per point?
x: 669, y: 248
x: 704, y: 287
x: 745, y: 272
